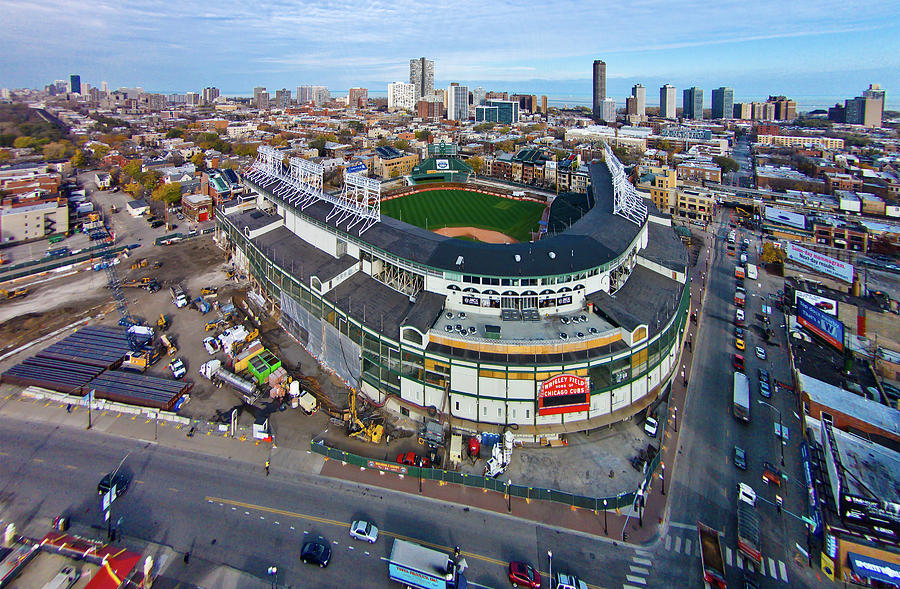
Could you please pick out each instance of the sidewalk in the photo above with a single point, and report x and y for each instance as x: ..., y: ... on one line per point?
x: 291, y: 455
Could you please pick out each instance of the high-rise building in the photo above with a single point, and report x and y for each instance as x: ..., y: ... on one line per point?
x: 640, y: 96
x: 667, y: 101
x: 256, y: 92
x: 722, y: 103
x: 317, y: 95
x: 192, y: 99
x: 544, y: 105
x: 401, y: 95
x: 874, y: 92
x: 507, y: 110
x: 282, y: 98
x: 692, y: 104
x: 608, y: 110
x: 104, y: 86
x: 430, y: 108
x: 262, y: 101
x: 599, y: 87
x: 458, y: 102
x: 421, y: 76
x: 75, y: 83
x: 743, y: 111
x: 785, y: 109
x: 209, y: 95
x: 863, y: 111
x: 479, y: 95
x: 358, y: 98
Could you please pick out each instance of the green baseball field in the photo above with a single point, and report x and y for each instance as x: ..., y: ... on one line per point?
x: 436, y: 209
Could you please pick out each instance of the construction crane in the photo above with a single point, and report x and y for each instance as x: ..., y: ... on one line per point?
x: 356, y: 428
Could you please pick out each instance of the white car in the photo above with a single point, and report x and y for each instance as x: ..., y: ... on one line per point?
x: 566, y: 581
x: 363, y: 530
x: 650, y: 427
x: 211, y: 344
x: 177, y: 368
x: 760, y: 352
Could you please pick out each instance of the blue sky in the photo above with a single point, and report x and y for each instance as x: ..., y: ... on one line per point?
x: 823, y: 50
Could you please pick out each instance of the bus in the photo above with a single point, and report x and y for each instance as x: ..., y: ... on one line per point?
x: 741, y: 401
x: 752, y: 272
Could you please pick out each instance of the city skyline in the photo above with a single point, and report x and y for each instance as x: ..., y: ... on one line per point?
x: 803, y: 52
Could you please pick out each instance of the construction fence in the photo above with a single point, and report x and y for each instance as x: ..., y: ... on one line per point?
x: 623, y: 500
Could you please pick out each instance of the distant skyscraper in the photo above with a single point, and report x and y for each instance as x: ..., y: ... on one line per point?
x: 401, y: 95
x: 874, y: 92
x: 692, y: 105
x: 478, y: 96
x: 210, y: 93
x: 667, y: 101
x: 640, y: 96
x: 256, y: 92
x: 192, y: 99
x: 75, y: 83
x: 358, y: 98
x: 262, y: 101
x: 544, y: 105
x: 599, y: 87
x: 608, y: 110
x: 722, y: 103
x: 507, y: 110
x: 421, y: 76
x: 282, y: 98
x: 104, y: 87
x: 458, y: 102
x: 317, y: 95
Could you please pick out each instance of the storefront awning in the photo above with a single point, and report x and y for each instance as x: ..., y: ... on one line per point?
x: 872, y: 568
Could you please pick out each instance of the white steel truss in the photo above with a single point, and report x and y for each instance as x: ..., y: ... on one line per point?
x: 301, y: 184
x: 627, y: 201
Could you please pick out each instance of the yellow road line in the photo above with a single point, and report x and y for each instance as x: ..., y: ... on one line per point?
x: 340, y: 524
x: 70, y: 467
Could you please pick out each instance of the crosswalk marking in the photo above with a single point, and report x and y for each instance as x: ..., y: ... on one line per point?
x: 739, y: 562
x: 687, y: 546
x: 668, y: 542
x: 644, y: 561
x: 728, y: 555
x: 639, y: 570
x: 626, y: 586
x: 772, y: 571
x: 678, y: 544
x: 640, y: 552
x: 783, y: 571
x: 638, y: 580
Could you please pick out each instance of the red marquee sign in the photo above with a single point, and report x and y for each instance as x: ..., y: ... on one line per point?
x: 564, y: 393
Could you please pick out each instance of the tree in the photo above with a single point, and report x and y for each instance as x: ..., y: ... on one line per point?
x: 423, y: 135
x: 168, y: 193
x: 151, y: 180
x: 24, y: 142
x: 78, y: 160
x: 58, y: 150
x: 134, y: 189
x: 5, y: 156
x: 383, y: 142
x: 176, y: 132
x: 773, y: 255
x: 402, y: 144
x: 726, y: 164
x: 476, y: 163
x: 133, y: 170
x: 198, y: 160
x: 99, y: 151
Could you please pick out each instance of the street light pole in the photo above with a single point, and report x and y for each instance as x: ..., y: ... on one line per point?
x: 550, y: 556
x: 604, y: 516
x: 662, y: 477
x: 780, y: 427
x: 508, y: 496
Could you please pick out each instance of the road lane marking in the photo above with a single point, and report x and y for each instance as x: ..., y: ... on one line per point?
x: 41, y: 460
x: 639, y: 570
x: 739, y: 562
x: 687, y: 546
x: 174, y: 490
x: 772, y: 572
x: 643, y: 561
x: 638, y: 580
x: 728, y: 555
x: 783, y: 571
x: 678, y: 544
x: 70, y: 467
x: 4, y: 453
x: 683, y: 526
x: 668, y: 542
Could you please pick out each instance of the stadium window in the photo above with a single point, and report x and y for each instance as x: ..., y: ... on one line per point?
x: 527, y: 413
x: 457, y: 405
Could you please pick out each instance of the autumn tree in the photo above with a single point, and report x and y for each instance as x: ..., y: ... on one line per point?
x: 476, y: 163
x: 58, y: 150
x: 726, y: 164
x: 78, y: 160
x: 168, y: 193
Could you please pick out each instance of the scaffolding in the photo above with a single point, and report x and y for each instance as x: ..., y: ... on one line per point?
x: 627, y: 201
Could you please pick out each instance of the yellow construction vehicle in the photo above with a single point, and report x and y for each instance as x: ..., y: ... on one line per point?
x: 163, y: 322
x: 209, y: 290
x: 13, y: 294
x: 169, y: 343
x: 252, y: 335
x: 371, y: 432
x: 142, y: 263
x: 141, y: 361
x: 212, y: 325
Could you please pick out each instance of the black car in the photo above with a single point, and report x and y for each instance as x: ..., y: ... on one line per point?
x: 739, y: 332
x: 316, y: 553
x: 740, y: 458
x: 119, y: 479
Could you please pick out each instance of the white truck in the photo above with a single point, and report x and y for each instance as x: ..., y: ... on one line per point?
x: 425, y: 568
x: 214, y: 371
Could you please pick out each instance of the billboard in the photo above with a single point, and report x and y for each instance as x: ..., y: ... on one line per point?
x: 356, y: 168
x: 783, y: 217
x: 820, y: 323
x: 442, y: 164
x: 564, y: 393
x: 820, y: 262
x: 823, y: 303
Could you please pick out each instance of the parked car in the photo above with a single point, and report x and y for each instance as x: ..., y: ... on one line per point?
x: 177, y: 368
x: 567, y: 581
x: 740, y: 458
x: 739, y: 332
x: 739, y: 344
x: 760, y: 352
x: 363, y: 530
x: 522, y: 574
x: 650, y: 427
x: 211, y: 344
x: 738, y: 362
x: 316, y: 552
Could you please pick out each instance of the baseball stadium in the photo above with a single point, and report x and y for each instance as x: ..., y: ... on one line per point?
x: 447, y: 297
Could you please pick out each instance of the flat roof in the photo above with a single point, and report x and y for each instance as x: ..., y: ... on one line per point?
x: 659, y: 296
x: 851, y: 404
x: 873, y: 465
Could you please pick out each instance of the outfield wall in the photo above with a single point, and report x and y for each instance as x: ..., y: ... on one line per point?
x: 456, y: 186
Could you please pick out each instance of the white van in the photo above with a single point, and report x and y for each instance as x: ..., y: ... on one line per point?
x: 746, y: 494
x: 67, y: 577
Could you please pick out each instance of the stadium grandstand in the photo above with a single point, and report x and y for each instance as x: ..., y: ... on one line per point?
x: 572, y: 332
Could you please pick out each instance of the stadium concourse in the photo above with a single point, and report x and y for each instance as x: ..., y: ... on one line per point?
x: 568, y: 333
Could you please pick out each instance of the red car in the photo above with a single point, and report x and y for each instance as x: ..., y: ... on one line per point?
x: 522, y: 574
x: 411, y: 459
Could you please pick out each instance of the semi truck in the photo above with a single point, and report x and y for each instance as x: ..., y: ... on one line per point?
x: 214, y: 371
x: 748, y: 525
x: 711, y: 556
x: 741, y: 400
x: 425, y: 568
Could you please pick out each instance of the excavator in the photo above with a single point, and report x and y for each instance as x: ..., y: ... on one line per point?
x: 13, y: 294
x: 163, y: 322
x: 369, y: 432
